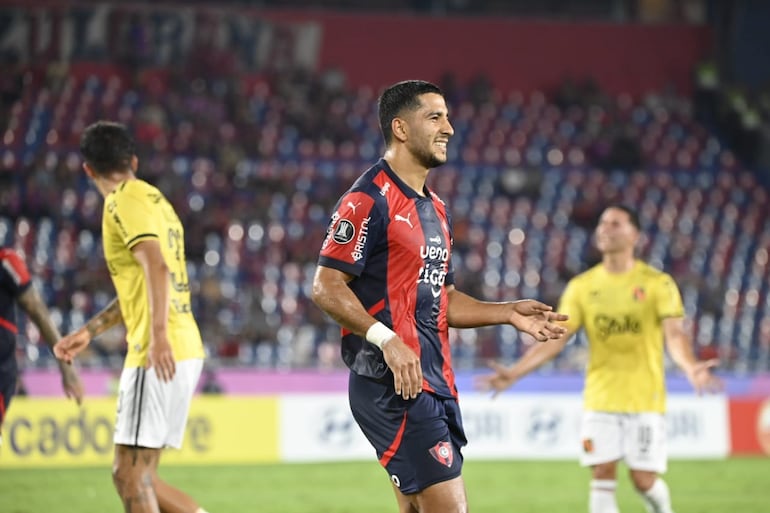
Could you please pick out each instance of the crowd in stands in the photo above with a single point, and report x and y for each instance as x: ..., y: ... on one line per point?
x: 253, y: 163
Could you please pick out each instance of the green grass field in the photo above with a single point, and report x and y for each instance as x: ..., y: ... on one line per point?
x: 735, y: 485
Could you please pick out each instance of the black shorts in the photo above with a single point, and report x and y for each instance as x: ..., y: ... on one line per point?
x: 417, y: 441
x: 9, y: 374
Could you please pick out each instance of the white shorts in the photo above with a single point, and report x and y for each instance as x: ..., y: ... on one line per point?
x: 637, y: 438
x: 152, y: 413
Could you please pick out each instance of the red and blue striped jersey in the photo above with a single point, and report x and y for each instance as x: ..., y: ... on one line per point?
x: 14, y: 280
x: 397, y: 245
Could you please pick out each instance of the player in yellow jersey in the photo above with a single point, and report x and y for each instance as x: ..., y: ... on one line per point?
x: 627, y: 309
x: 143, y: 243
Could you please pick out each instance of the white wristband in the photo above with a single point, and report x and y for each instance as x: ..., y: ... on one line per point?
x: 378, y: 334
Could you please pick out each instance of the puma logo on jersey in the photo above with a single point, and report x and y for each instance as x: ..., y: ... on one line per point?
x: 435, y: 240
x: 353, y: 207
x: 406, y: 219
x: 384, y: 189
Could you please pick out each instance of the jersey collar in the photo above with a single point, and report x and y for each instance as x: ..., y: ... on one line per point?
x: 405, y: 189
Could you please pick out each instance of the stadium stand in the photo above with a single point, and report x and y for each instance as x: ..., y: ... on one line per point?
x: 253, y: 160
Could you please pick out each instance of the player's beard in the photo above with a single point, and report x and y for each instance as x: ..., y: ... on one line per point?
x: 427, y: 158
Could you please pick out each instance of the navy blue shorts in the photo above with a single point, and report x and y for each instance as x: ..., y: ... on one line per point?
x: 417, y: 441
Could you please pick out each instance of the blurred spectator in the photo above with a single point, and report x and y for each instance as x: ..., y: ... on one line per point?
x: 480, y: 90
x: 209, y: 383
x: 56, y: 73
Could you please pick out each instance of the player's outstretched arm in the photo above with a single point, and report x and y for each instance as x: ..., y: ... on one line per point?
x: 332, y: 295
x: 71, y: 345
x: 33, y: 305
x: 532, y: 317
x: 679, y: 347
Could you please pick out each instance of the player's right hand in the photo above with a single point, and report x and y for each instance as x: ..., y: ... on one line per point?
x: 161, y: 356
x: 701, y: 378
x: 406, y: 368
x: 537, y: 319
x: 70, y: 346
x: 71, y: 383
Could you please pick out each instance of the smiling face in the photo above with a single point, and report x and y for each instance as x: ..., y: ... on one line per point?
x: 615, y: 232
x: 427, y: 130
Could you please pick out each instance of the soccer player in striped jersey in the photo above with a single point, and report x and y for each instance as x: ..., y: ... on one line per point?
x: 627, y: 309
x: 16, y: 287
x: 385, y: 275
x: 143, y: 243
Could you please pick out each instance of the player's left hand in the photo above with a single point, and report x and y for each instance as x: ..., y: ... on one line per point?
x: 537, y: 319
x: 701, y: 378
x: 160, y: 356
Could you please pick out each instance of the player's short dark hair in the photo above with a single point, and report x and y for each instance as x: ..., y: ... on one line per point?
x: 107, y: 146
x: 399, y: 97
x: 633, y: 215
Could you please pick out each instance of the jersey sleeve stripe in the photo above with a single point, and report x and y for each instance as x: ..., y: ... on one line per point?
x: 16, y: 268
x: 139, y: 238
x: 340, y: 265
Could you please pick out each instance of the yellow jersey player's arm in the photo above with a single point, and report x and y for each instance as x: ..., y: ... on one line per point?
x: 679, y: 347
x: 33, y: 305
x: 157, y: 278
x: 71, y: 345
x: 538, y: 354
x: 109, y: 317
x: 678, y: 343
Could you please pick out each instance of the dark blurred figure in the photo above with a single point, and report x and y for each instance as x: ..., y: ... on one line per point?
x: 739, y: 122
x: 706, y: 93
x: 625, y: 153
x: 16, y: 288
x: 210, y: 383
x: 480, y: 89
x: 11, y: 84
